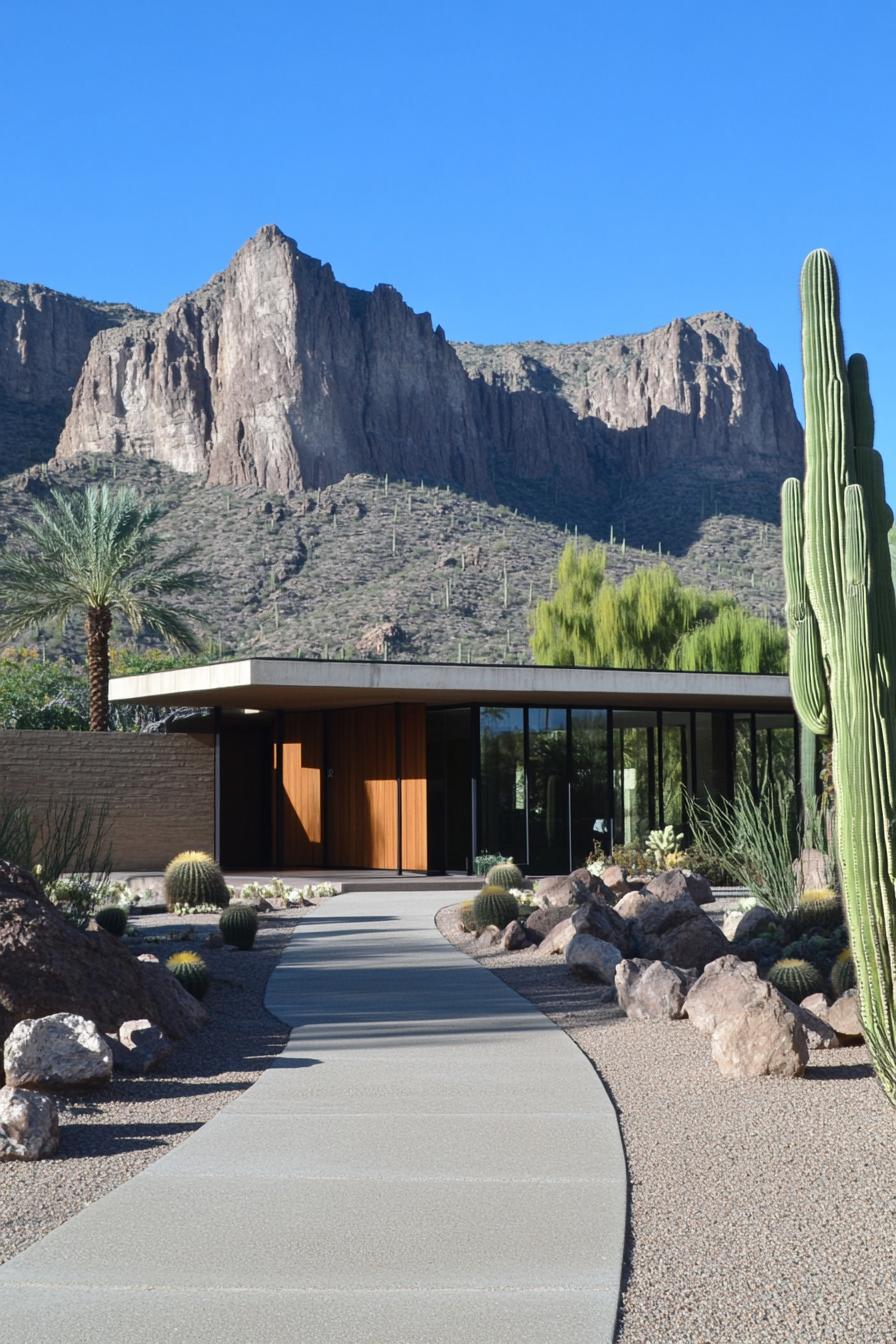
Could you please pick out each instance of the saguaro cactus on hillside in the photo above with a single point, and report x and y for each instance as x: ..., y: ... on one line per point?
x: 841, y: 617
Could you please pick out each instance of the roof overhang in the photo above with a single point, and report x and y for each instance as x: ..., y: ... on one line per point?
x: 292, y: 683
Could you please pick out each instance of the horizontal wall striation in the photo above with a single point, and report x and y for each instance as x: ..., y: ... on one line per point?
x: 159, y: 789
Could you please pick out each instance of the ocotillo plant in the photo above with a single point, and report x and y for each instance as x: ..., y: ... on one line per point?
x: 841, y: 618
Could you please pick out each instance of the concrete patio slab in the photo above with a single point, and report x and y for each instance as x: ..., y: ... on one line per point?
x: 429, y: 1160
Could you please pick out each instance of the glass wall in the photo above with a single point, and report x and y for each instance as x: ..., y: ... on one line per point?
x: 449, y: 761
x: 634, y: 774
x: 554, y: 781
x: 502, y: 783
x: 590, y: 783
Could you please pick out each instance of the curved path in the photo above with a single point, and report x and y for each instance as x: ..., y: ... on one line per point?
x: 430, y: 1161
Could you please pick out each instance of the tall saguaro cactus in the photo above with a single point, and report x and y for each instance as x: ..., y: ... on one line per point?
x: 841, y: 619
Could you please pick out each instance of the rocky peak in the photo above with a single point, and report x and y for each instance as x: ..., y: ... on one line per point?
x: 44, y: 340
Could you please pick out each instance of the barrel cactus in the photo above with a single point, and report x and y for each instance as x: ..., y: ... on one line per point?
x: 239, y: 925
x: 841, y: 618
x: 191, y: 971
x: 193, y: 878
x: 818, y: 908
x: 843, y: 973
x: 494, y: 905
x: 796, y: 978
x: 505, y: 875
x: 112, y: 918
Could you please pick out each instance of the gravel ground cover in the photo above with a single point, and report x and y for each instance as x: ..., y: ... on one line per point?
x: 762, y: 1209
x: 110, y: 1133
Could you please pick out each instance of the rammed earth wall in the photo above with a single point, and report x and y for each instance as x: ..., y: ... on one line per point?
x: 159, y: 790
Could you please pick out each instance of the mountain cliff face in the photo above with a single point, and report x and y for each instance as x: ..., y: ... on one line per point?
x: 44, y: 340
x: 275, y: 374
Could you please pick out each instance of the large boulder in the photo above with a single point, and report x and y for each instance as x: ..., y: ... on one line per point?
x: 579, y: 886
x: 593, y: 957
x: 540, y: 922
x: 48, y: 966
x: 651, y: 991
x: 666, y: 925
x: 681, y: 881
x: 758, y: 919
x: 766, y: 1038
x: 616, y: 879
x: 602, y: 921
x: 29, y: 1125
x: 559, y: 938
x: 813, y: 870
x: 819, y: 1033
x: 726, y: 989
x: 59, y: 1051
x: 515, y: 937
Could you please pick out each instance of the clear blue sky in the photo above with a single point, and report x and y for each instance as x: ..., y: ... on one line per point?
x: 558, y: 171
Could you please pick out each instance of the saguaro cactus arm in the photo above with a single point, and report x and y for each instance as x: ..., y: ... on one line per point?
x: 807, y: 675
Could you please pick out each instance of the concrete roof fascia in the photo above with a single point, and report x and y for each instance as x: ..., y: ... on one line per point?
x: 261, y: 679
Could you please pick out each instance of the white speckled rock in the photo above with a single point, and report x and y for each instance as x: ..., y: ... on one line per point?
x: 62, y: 1050
x: 29, y: 1125
x: 766, y: 1038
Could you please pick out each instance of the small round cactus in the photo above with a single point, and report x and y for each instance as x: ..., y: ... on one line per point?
x: 239, y: 925
x: 843, y: 973
x: 112, y: 918
x: 796, y: 978
x: 495, y: 906
x: 505, y: 875
x: 191, y: 971
x: 193, y: 878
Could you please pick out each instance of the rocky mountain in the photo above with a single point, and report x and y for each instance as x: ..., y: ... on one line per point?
x: 275, y: 374
x: 44, y: 340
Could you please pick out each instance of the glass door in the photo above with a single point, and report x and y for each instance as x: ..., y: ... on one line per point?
x: 548, y: 792
x: 634, y: 775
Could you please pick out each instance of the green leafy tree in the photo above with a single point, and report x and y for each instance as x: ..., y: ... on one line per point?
x: 97, y: 554
x: 650, y: 620
x: 40, y: 694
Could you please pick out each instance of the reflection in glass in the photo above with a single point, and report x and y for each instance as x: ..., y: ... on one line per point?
x: 502, y: 783
x: 676, y: 760
x: 634, y: 774
x: 775, y: 749
x: 743, y: 752
x: 590, y: 804
x: 711, y: 753
x: 548, y: 796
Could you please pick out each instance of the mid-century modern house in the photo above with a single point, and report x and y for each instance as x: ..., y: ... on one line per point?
x: 420, y: 767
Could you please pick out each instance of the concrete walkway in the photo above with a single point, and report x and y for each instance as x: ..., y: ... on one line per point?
x: 430, y: 1161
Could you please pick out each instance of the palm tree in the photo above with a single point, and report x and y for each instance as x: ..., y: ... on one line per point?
x: 95, y: 551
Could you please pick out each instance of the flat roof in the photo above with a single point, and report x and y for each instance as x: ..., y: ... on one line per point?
x: 299, y: 683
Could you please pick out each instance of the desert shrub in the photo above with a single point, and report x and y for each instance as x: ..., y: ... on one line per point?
x: 755, y: 839
x: 65, y: 835
x: 483, y: 862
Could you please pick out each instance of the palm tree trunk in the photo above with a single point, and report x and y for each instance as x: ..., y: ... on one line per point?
x: 98, y: 625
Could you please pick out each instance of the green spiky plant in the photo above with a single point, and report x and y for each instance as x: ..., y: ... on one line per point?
x: 841, y: 618
x: 465, y: 915
x: 796, y: 978
x: 843, y: 973
x: 505, y: 875
x: 191, y: 972
x: 112, y: 918
x: 193, y: 878
x: 495, y: 906
x: 239, y: 925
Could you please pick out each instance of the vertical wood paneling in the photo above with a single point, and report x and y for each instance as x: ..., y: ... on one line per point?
x: 362, y: 802
x: 414, y: 852
x: 302, y: 780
